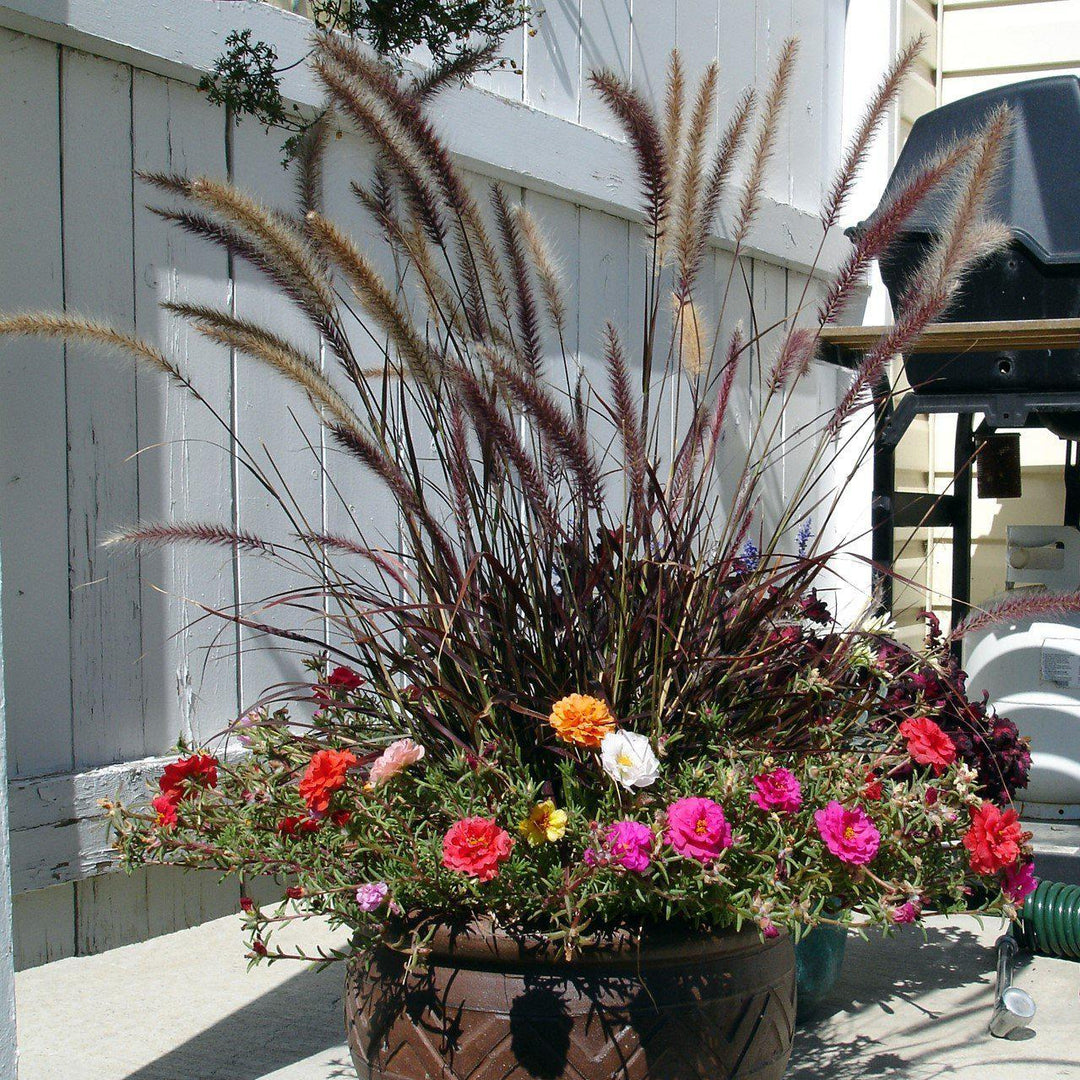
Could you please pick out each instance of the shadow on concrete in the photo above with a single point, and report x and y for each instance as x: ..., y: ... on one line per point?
x: 297, y: 1020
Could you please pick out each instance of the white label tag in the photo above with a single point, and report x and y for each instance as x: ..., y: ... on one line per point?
x: 1060, y: 662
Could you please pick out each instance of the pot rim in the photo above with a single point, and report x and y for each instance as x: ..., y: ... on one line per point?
x: 481, y: 942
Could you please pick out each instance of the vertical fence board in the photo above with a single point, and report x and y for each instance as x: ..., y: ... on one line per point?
x: 605, y: 43
x: 33, y: 436
x: 697, y: 31
x: 269, y: 410
x: 652, y: 39
x: 553, y: 71
x: 184, y: 469
x: 102, y: 425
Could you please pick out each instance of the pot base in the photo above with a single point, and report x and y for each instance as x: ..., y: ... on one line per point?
x: 485, y: 1007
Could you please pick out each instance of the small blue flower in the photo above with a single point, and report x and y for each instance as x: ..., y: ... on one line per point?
x: 803, y: 536
x: 748, y: 559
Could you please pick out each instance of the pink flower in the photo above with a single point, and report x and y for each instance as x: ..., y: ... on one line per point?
x: 849, y: 834
x: 697, y: 829
x: 627, y: 844
x: 777, y: 790
x: 908, y: 912
x: 1020, y: 880
x: 371, y: 896
x: 397, y: 756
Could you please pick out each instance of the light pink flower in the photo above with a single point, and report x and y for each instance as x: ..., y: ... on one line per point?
x: 627, y: 844
x: 1020, y: 881
x: 848, y: 833
x: 397, y: 756
x: 372, y: 896
x: 777, y: 790
x: 697, y: 828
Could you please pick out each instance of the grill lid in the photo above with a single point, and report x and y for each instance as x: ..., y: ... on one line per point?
x: 1038, y: 191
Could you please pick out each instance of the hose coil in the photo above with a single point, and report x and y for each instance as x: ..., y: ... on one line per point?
x: 1050, y: 920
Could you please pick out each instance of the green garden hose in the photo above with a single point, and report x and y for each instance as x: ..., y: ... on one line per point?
x: 1050, y: 920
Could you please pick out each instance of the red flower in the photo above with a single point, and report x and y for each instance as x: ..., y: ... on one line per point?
x: 165, y: 807
x: 871, y: 791
x: 994, y: 839
x: 476, y: 846
x: 325, y: 774
x: 294, y: 892
x: 343, y: 680
x: 181, y: 779
x: 290, y: 826
x: 928, y: 744
x: 341, y: 817
x: 247, y: 904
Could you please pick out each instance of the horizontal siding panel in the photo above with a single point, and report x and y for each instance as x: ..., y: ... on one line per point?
x: 1010, y: 37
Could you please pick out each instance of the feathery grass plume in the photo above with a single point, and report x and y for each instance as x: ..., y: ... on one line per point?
x: 1030, y: 603
x: 625, y: 416
x: 557, y: 430
x: 690, y: 182
x: 547, y: 270
x: 379, y: 302
x: 793, y: 360
x: 887, y: 92
x: 765, y: 144
x: 885, y: 226
x: 528, y: 320
x: 690, y: 346
x: 456, y: 69
x: 77, y: 328
x: 161, y: 533
x: 719, y: 174
x: 646, y: 141
x: 271, y: 349
x: 966, y: 240
x: 284, y: 244
x: 310, y: 155
x: 390, y: 566
x: 476, y: 252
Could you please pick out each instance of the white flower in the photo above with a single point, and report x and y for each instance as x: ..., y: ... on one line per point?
x: 629, y: 759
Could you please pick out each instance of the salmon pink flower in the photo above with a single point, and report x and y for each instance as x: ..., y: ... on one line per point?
x: 848, y: 833
x: 476, y: 846
x: 777, y: 790
x: 928, y: 744
x: 324, y: 775
x: 397, y: 756
x: 994, y: 838
x: 697, y: 829
x: 1020, y: 881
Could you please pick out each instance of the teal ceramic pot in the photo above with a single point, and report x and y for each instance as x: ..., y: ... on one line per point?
x: 818, y: 959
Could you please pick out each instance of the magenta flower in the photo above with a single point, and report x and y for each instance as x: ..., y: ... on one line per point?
x: 1020, y: 880
x: 849, y: 834
x: 907, y: 912
x: 629, y: 844
x: 697, y: 829
x: 372, y: 896
x: 777, y: 790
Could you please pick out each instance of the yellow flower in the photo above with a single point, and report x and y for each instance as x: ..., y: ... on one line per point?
x: 543, y: 824
x: 581, y: 719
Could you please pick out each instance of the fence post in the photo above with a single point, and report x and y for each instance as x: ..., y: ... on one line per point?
x: 8, y: 1052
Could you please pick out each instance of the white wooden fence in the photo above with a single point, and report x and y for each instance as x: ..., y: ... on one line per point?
x: 103, y: 671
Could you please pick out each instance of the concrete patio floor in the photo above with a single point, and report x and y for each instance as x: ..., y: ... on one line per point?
x: 182, y: 1007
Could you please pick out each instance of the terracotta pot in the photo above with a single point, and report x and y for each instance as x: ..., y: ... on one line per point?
x: 491, y: 1007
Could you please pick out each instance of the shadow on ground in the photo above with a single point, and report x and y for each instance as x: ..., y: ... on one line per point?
x: 300, y: 1018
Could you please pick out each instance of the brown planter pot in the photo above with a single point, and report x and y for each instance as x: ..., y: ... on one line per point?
x: 490, y: 1007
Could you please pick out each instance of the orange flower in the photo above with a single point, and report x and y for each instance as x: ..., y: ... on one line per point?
x: 324, y: 775
x: 581, y: 719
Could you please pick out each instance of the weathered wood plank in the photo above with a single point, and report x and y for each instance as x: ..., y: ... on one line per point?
x: 553, y: 71
x: 43, y: 926
x: 102, y: 426
x: 605, y: 43
x: 185, y: 471
x: 57, y: 829
x: 33, y: 435
x: 966, y: 336
x: 275, y: 422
